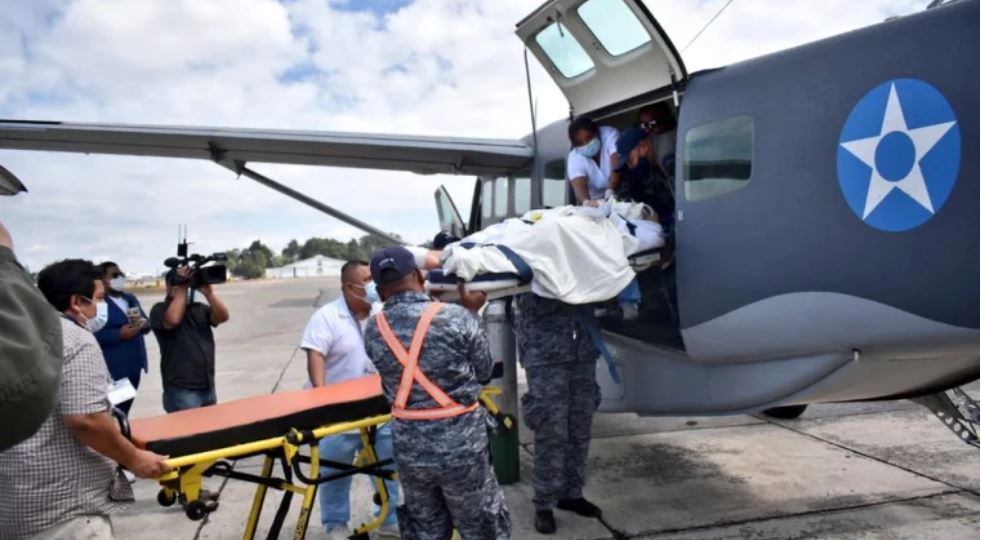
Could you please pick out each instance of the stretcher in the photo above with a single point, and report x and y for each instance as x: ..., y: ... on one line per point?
x: 503, y: 284
x: 207, y: 441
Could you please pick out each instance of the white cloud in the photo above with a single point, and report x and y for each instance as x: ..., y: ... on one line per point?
x: 451, y: 67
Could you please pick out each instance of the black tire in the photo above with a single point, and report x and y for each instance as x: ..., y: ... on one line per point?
x: 166, y: 500
x: 788, y: 412
x: 196, y: 510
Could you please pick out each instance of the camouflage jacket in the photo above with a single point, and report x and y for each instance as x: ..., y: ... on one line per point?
x: 550, y: 332
x: 456, y: 357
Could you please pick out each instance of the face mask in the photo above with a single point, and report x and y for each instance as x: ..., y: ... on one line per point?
x: 370, y: 293
x: 117, y: 284
x: 589, y: 149
x: 101, y: 317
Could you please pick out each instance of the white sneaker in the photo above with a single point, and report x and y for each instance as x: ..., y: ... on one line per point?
x: 388, y: 531
x: 338, y: 533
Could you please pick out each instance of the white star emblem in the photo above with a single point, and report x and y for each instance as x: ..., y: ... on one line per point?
x: 923, y: 139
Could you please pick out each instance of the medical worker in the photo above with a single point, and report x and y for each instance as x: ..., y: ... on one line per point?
x: 592, y: 162
x: 433, y: 359
x: 334, y: 343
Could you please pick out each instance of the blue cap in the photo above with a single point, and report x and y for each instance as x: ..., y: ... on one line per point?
x: 627, y: 141
x: 395, y: 258
x: 443, y: 239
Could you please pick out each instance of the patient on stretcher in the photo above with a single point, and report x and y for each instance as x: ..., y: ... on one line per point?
x: 575, y: 254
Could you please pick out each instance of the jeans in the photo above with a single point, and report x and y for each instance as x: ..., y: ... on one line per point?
x: 176, y: 398
x: 335, y: 501
x: 630, y: 296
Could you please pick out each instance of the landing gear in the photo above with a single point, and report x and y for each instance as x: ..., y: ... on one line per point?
x: 957, y: 410
x: 788, y: 412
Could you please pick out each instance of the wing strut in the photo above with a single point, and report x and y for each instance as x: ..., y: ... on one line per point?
x: 240, y: 169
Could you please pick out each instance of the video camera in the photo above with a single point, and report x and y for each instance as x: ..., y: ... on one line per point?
x: 202, y: 271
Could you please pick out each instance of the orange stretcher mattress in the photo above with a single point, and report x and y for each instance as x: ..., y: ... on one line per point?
x: 260, y: 417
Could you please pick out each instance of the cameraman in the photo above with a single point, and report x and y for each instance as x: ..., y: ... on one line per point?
x: 187, y: 344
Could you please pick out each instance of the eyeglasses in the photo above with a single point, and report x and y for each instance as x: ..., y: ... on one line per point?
x: 118, y: 275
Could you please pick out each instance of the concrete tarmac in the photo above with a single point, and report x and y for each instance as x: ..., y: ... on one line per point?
x: 854, y: 471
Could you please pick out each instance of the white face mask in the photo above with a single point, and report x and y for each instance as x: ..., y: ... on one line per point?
x: 101, y: 317
x: 117, y: 284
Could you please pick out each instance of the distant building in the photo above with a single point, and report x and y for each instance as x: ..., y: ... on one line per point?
x: 318, y: 265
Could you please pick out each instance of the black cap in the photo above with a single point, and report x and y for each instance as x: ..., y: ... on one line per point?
x: 627, y: 141
x: 443, y: 239
x: 397, y: 259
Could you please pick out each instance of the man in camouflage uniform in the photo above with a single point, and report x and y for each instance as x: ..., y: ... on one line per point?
x: 439, y: 431
x: 560, y: 366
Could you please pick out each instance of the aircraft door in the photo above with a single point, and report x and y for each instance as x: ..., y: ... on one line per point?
x: 449, y: 217
x: 601, y: 52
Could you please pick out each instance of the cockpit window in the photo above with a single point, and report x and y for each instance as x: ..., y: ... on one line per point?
x: 614, y: 25
x: 563, y: 50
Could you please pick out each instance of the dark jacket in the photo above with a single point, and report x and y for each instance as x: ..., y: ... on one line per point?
x: 124, y: 358
x: 30, y: 353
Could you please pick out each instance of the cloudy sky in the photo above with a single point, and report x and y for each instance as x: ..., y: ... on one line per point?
x: 442, y: 67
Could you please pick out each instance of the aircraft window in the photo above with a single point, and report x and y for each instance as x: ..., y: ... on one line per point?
x: 555, y: 186
x: 501, y: 197
x: 718, y: 157
x: 553, y: 193
x: 563, y: 50
x: 487, y: 199
x: 614, y: 25
x: 522, y: 195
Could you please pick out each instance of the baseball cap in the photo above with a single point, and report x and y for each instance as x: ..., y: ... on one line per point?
x: 391, y: 264
x: 627, y: 141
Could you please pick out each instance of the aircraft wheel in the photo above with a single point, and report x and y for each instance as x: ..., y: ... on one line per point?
x: 166, y: 499
x: 789, y: 412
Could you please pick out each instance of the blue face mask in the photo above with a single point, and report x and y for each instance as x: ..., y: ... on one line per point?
x: 370, y: 293
x: 589, y: 149
x: 101, y: 316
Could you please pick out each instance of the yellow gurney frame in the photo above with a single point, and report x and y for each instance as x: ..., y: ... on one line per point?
x: 185, y: 479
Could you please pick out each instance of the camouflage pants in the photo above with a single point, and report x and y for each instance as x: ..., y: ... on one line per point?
x: 559, y: 408
x: 465, y: 497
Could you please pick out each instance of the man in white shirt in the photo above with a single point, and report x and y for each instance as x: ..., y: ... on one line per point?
x: 334, y: 343
x: 593, y: 160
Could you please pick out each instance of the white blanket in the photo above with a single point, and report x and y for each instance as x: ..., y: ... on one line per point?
x: 578, y: 255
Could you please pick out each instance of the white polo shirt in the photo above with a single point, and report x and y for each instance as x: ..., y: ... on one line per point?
x: 597, y: 176
x: 335, y: 333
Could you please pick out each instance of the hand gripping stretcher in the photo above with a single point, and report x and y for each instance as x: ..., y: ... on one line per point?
x: 205, y: 442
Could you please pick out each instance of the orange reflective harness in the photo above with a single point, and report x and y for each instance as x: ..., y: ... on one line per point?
x: 412, y: 374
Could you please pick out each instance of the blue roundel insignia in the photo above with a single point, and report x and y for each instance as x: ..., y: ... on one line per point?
x: 898, y: 155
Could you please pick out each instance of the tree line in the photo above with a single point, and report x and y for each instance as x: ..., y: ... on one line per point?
x: 251, y: 262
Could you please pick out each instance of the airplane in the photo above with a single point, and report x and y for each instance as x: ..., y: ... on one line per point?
x: 826, y: 223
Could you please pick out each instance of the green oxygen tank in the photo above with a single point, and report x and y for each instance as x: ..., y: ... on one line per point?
x: 504, y: 440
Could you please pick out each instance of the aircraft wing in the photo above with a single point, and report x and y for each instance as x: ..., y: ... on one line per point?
x: 419, y: 154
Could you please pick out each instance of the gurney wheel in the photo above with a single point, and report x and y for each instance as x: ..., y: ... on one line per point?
x: 196, y: 510
x: 166, y: 500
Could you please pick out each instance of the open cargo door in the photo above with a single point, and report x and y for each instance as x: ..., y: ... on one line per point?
x: 601, y: 52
